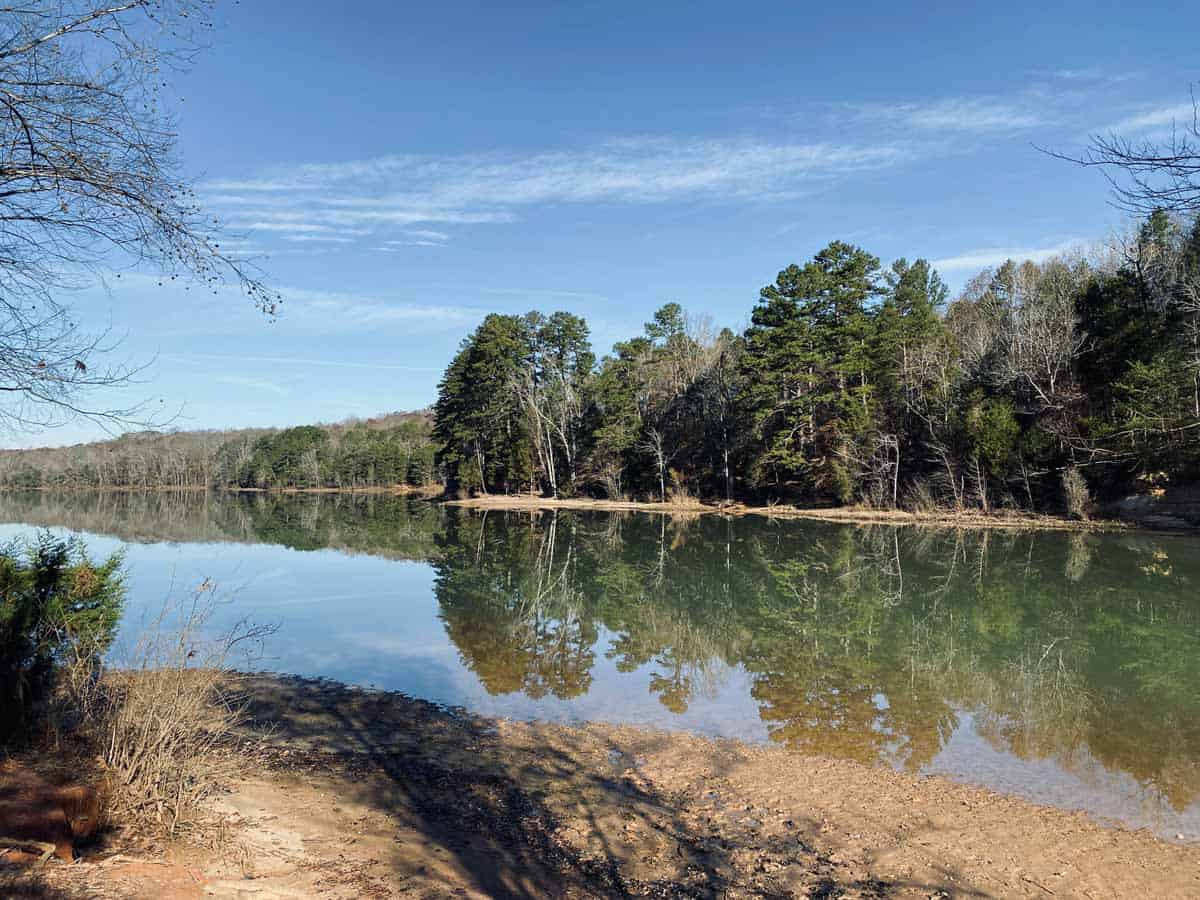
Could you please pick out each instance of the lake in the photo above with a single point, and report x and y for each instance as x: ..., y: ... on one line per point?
x: 1062, y: 667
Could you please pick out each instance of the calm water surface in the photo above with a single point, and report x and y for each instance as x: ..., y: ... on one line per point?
x: 1061, y: 667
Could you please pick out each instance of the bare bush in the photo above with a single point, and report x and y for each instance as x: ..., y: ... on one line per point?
x: 162, y: 717
x: 1076, y: 494
x: 680, y: 495
x: 921, y: 498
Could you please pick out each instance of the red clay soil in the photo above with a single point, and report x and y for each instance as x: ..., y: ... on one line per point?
x: 36, y: 808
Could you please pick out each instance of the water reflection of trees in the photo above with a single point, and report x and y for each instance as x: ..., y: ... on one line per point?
x: 865, y: 643
x: 511, y: 602
x: 359, y: 523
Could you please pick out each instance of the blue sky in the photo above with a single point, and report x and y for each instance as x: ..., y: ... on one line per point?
x: 406, y: 169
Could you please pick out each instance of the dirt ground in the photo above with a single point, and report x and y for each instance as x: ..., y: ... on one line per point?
x: 376, y: 795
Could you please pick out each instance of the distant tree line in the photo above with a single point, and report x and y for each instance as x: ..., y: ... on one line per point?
x: 390, y: 450
x: 1038, y: 386
x: 383, y: 525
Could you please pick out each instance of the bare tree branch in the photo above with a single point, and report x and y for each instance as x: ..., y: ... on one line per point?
x: 1145, y: 175
x: 89, y: 181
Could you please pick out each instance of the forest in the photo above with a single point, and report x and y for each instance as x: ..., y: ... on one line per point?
x: 1046, y: 385
x: 385, y: 451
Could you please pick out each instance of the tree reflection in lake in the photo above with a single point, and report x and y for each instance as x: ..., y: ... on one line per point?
x: 861, y: 642
x: 880, y: 644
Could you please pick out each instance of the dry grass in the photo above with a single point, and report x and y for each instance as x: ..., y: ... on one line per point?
x: 166, y: 712
x: 1076, y: 494
x: 934, y: 516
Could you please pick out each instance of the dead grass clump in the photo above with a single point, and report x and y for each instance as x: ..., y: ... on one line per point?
x: 162, y: 716
x: 921, y: 498
x: 1076, y: 494
x: 680, y: 496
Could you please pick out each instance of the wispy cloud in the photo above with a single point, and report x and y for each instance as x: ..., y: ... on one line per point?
x: 962, y: 114
x: 325, y: 311
x: 1092, y: 74
x: 1183, y: 114
x: 341, y: 213
x: 349, y: 198
x: 988, y: 258
x: 956, y: 114
x: 417, y: 238
x: 288, y: 226
x: 306, y: 311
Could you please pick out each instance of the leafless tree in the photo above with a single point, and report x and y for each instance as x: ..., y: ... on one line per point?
x: 654, y: 444
x: 1017, y: 328
x: 1146, y: 175
x: 90, y: 182
x: 875, y: 466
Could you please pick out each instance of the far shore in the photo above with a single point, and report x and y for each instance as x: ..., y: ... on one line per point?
x: 854, y: 514
x: 428, y: 492
x: 942, y: 518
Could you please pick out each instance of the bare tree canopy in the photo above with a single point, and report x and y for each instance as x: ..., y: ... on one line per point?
x: 1146, y: 175
x: 89, y: 179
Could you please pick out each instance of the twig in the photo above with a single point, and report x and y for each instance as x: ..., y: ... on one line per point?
x: 47, y: 850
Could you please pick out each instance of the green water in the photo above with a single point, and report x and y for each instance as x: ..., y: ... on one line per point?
x: 1062, y: 667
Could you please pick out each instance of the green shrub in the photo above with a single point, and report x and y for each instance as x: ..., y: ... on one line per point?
x: 56, y: 607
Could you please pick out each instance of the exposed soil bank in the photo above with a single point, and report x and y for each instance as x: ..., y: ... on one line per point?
x: 848, y: 514
x: 376, y: 795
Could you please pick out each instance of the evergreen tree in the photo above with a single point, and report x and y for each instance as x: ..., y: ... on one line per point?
x: 807, y: 365
x: 479, y: 421
x: 55, y: 604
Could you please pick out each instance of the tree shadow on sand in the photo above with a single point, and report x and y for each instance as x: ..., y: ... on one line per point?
x: 519, y: 817
x: 20, y: 882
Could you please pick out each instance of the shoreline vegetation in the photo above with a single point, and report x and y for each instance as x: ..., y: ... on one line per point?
x: 938, y: 517
x: 853, y: 514
x: 1061, y: 388
x: 366, y: 793
x: 948, y: 518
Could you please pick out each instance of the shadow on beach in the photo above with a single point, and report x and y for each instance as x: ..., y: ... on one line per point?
x: 517, y: 812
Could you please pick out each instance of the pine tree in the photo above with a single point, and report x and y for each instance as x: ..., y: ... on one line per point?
x: 807, y: 365
x: 55, y: 604
x: 479, y: 420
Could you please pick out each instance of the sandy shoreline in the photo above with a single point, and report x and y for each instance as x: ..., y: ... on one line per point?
x: 846, y: 514
x: 860, y: 515
x: 373, y: 794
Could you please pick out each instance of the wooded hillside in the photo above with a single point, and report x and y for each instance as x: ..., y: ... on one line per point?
x: 380, y: 452
x: 1040, y: 385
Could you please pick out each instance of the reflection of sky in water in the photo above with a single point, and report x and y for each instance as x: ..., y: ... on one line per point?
x: 1088, y: 786
x: 374, y: 622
